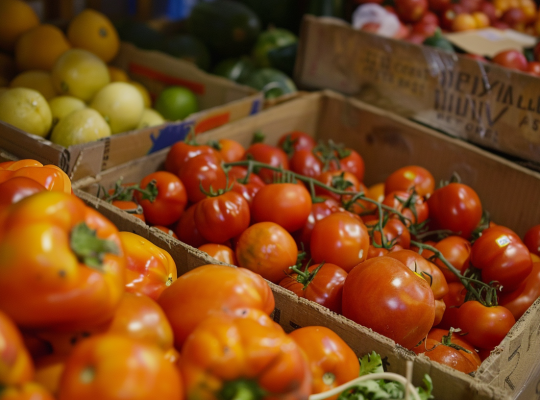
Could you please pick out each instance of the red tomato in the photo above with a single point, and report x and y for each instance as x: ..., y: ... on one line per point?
x: 267, y: 249
x: 447, y: 355
x: 533, y: 67
x: 202, y: 171
x: 513, y: 59
x: 286, y: 204
x: 331, y: 360
x: 17, y: 188
x: 449, y: 14
x: 502, y: 257
x: 222, y: 217
x: 229, y: 149
x: 408, y: 177
x: 340, y: 180
x: 296, y: 140
x: 249, y: 189
x: 429, y: 271
x: 321, y: 283
x: 485, y: 326
x: 411, y: 10
x: 438, y: 5
x: 455, y: 207
x: 410, y: 204
x: 532, y: 239
x: 267, y: 154
x: 460, y: 340
x: 209, y: 289
x: 519, y: 300
x: 219, y: 252
x: 457, y: 251
x: 130, y: 207
x: 187, y: 230
x: 180, y: 152
x: 453, y: 300
x: 386, y: 296
x: 304, y: 162
x: 394, y: 232
x: 115, y: 366
x: 339, y: 239
x: 166, y: 230
x: 351, y: 161
x: 166, y: 198
x: 319, y: 210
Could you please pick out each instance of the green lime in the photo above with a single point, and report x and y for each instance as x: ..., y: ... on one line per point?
x: 176, y: 102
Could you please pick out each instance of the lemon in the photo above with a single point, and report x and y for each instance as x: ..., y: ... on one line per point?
x: 27, y: 110
x: 144, y: 93
x: 176, y: 102
x: 37, y: 80
x: 81, y: 126
x: 150, y: 117
x: 79, y: 73
x: 120, y: 104
x: 62, y: 106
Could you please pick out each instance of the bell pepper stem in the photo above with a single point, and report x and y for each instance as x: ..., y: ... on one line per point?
x: 89, y: 249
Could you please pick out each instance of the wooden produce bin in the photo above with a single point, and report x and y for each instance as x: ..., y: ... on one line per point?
x: 387, y: 142
x: 492, y: 106
x: 221, y: 101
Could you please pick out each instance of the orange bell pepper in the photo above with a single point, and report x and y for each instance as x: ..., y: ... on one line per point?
x: 50, y: 176
x: 61, y: 263
x: 16, y: 366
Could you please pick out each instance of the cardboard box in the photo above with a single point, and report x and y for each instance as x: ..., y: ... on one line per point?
x: 292, y: 312
x: 221, y: 101
x: 387, y: 142
x: 486, y: 104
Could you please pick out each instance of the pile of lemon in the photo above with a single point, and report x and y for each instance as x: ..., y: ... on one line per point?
x: 58, y: 85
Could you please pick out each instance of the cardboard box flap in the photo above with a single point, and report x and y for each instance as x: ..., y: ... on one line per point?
x: 490, y: 41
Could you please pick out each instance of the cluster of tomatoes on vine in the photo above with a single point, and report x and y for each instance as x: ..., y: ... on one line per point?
x: 261, y: 207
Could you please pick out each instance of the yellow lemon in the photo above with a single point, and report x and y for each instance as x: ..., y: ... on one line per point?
x: 37, y: 80
x: 27, y: 110
x: 16, y: 17
x: 93, y: 31
x: 79, y: 73
x: 62, y: 106
x: 120, y: 104
x: 81, y: 126
x: 150, y: 117
x: 144, y: 93
x: 40, y: 47
x: 117, y: 74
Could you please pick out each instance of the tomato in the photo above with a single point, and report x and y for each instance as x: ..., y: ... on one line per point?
x: 453, y: 300
x: 220, y: 218
x: 519, y: 300
x: 455, y: 207
x: 411, y: 10
x: 461, y: 340
x: 332, y: 361
x: 166, y: 230
x: 502, y: 257
x: 304, y: 162
x: 267, y: 154
x: 267, y: 249
x: 248, y: 189
x: 429, y: 271
x: 164, y: 200
x: 351, y: 161
x: 533, y: 67
x: 321, y: 283
x: 384, y: 295
x: 409, y: 204
x: 202, y: 171
x: 149, y: 268
x: 296, y: 140
x: 219, y: 252
x: 457, y: 251
x: 130, y: 207
x: 16, y: 366
x: 394, y: 232
x: 319, y: 210
x: 286, y: 204
x: 340, y: 180
x: 208, y: 289
x: 17, y: 188
x: 187, y: 231
x: 532, y: 239
x: 339, y: 239
x: 409, y: 177
x: 180, y: 152
x: 113, y: 366
x: 485, y: 327
x: 440, y: 309
x: 260, y: 360
x: 229, y: 149
x: 28, y: 391
x: 68, y: 272
x: 513, y: 59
